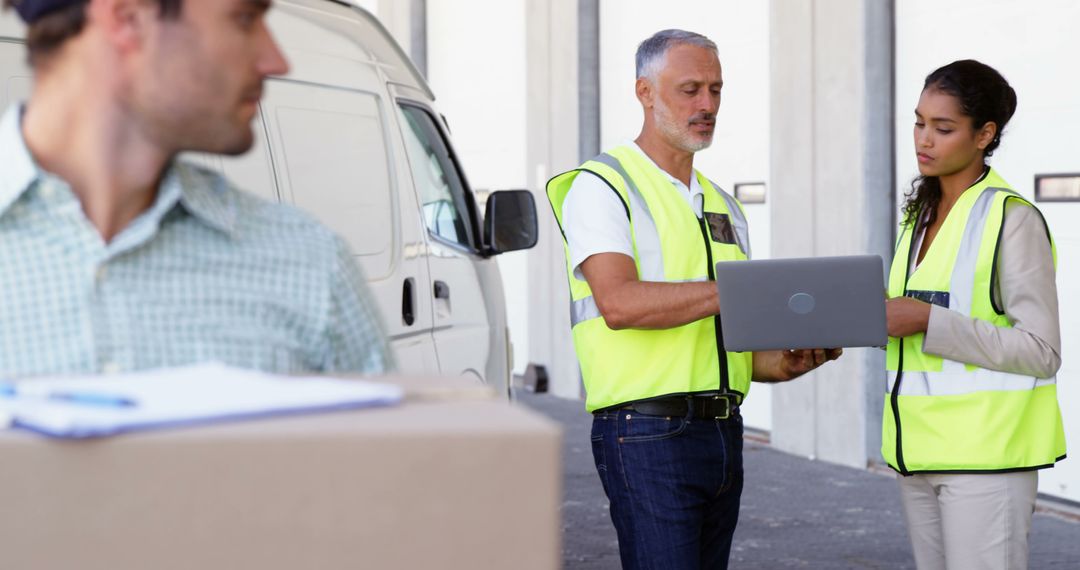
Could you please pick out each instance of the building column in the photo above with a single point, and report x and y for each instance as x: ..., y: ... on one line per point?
x: 588, y: 79
x: 398, y: 19
x: 418, y: 35
x: 831, y: 170
x: 553, y: 147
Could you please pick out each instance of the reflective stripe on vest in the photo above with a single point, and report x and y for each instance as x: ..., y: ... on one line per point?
x: 738, y: 220
x: 954, y: 378
x: 585, y: 308
x: 963, y: 382
x: 947, y: 416
x: 962, y: 281
x: 651, y: 267
x: 669, y: 246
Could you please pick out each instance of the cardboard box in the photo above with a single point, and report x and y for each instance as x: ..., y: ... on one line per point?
x: 453, y: 478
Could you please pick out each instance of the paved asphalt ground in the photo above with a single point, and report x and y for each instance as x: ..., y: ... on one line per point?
x: 796, y: 513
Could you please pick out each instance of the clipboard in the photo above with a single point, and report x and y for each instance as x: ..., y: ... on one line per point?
x: 79, y: 407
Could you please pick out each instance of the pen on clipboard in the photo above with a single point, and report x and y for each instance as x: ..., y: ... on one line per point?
x: 77, y: 397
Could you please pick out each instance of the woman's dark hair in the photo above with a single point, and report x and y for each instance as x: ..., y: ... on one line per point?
x: 48, y: 33
x: 983, y: 95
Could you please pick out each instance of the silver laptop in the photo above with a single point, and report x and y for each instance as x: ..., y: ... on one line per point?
x: 820, y: 302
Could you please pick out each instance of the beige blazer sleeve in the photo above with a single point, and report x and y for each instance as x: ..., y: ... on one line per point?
x: 1027, y: 291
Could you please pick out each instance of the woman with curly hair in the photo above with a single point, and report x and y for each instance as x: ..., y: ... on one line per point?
x: 971, y: 412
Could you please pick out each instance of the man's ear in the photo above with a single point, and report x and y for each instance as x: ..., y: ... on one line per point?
x: 645, y: 92
x: 986, y: 135
x: 124, y: 23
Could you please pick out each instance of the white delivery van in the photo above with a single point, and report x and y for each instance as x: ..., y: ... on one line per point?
x: 351, y: 136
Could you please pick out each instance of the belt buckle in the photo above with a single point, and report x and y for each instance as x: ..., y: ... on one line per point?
x: 727, y: 407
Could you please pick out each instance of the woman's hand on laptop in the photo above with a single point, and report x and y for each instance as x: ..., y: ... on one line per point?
x: 784, y: 365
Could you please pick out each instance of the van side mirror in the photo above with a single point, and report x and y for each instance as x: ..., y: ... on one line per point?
x: 510, y: 221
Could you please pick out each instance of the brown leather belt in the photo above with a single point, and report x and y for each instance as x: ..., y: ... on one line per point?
x: 714, y: 406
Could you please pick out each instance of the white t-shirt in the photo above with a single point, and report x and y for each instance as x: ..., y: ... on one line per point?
x: 594, y: 217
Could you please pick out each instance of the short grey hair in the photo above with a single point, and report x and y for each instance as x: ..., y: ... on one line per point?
x: 651, y: 52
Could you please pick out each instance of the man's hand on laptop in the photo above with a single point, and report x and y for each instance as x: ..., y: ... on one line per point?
x: 784, y: 365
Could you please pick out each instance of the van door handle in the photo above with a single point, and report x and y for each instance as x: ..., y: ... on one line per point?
x: 408, y: 303
x: 442, y: 290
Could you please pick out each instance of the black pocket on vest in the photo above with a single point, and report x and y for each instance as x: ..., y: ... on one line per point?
x: 720, y: 227
x: 939, y: 298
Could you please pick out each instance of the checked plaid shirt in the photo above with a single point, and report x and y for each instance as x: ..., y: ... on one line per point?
x: 208, y: 273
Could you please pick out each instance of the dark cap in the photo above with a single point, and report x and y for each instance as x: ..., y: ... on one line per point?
x: 33, y: 10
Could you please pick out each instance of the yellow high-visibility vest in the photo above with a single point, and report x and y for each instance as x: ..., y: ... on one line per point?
x: 947, y: 416
x: 671, y: 245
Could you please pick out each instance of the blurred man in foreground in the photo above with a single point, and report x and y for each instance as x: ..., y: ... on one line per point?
x: 115, y: 256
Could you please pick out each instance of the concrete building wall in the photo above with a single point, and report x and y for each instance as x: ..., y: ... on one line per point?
x: 827, y: 179
x: 1034, y: 45
x: 478, y: 74
x: 552, y: 146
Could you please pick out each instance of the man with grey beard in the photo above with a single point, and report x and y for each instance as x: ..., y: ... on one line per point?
x: 643, y: 231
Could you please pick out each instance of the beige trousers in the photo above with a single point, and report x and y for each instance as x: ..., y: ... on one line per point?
x: 970, y: 522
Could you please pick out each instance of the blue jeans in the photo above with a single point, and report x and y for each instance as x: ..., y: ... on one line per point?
x: 674, y: 485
